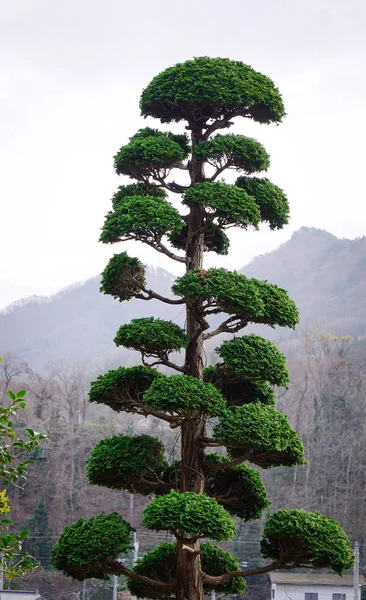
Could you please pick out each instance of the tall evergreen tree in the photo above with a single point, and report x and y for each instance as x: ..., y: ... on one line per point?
x: 198, y: 496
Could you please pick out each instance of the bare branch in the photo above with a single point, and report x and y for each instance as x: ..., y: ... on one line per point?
x: 159, y: 247
x: 218, y: 124
x: 151, y: 294
x: 163, y: 360
x: 227, y: 165
x: 228, y: 326
x: 221, y: 579
x: 118, y: 568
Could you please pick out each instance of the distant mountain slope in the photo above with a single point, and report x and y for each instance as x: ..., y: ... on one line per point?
x: 79, y: 323
x: 325, y: 275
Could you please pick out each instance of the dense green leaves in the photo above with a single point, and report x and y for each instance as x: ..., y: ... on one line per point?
x: 260, y: 434
x: 122, y: 389
x: 229, y: 204
x: 253, y: 301
x: 132, y: 463
x: 144, y: 218
x: 161, y: 565
x: 151, y: 337
x: 150, y: 151
x: 305, y: 538
x: 210, y: 88
x: 190, y: 514
x: 238, y: 489
x: 182, y: 393
x: 215, y: 240
x: 123, y: 277
x: 235, y: 151
x: 84, y: 548
x: 137, y: 189
x: 236, y: 390
x: 271, y: 200
x: 254, y: 358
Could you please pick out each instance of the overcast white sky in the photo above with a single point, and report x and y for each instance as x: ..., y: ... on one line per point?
x: 70, y: 79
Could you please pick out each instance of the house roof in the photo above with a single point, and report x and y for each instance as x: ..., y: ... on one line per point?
x: 24, y: 592
x: 314, y: 579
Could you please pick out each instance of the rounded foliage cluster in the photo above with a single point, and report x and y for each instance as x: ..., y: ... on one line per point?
x: 161, y: 565
x: 210, y: 88
x: 148, y: 151
x: 137, y: 189
x: 305, y: 538
x: 254, y: 358
x: 190, y: 514
x: 122, y: 389
x: 238, y: 151
x: 215, y: 240
x: 251, y: 300
x: 229, y: 204
x: 131, y: 463
x: 238, y: 489
x: 84, y: 548
x: 145, y: 218
x: 123, y: 277
x: 271, y: 200
x: 151, y: 337
x: 182, y: 393
x: 260, y: 434
x: 238, y: 391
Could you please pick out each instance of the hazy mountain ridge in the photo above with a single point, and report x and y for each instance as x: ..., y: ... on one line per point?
x: 323, y: 274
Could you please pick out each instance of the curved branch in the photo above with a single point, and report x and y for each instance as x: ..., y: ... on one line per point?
x: 171, y: 186
x: 118, y: 568
x: 159, y: 247
x: 225, y: 327
x: 227, y: 165
x: 151, y: 294
x: 162, y: 360
x: 218, y: 124
x: 221, y: 579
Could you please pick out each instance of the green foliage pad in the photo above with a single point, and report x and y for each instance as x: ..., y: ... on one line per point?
x: 122, y: 389
x: 261, y: 434
x: 84, y: 548
x: 151, y: 337
x: 182, y: 393
x: 254, y: 358
x: 123, y: 277
x: 132, y: 463
x: 190, y: 514
x: 307, y: 538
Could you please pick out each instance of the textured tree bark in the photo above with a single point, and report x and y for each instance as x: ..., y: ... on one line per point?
x: 192, y: 478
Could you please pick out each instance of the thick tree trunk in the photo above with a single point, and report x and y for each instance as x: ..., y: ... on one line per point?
x: 192, y: 479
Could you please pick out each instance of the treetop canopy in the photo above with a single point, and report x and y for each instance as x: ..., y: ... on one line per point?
x: 206, y: 88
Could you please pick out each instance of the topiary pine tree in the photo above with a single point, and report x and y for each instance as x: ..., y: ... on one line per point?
x: 197, y: 496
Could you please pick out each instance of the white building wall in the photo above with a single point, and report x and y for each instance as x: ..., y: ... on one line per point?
x: 290, y: 591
